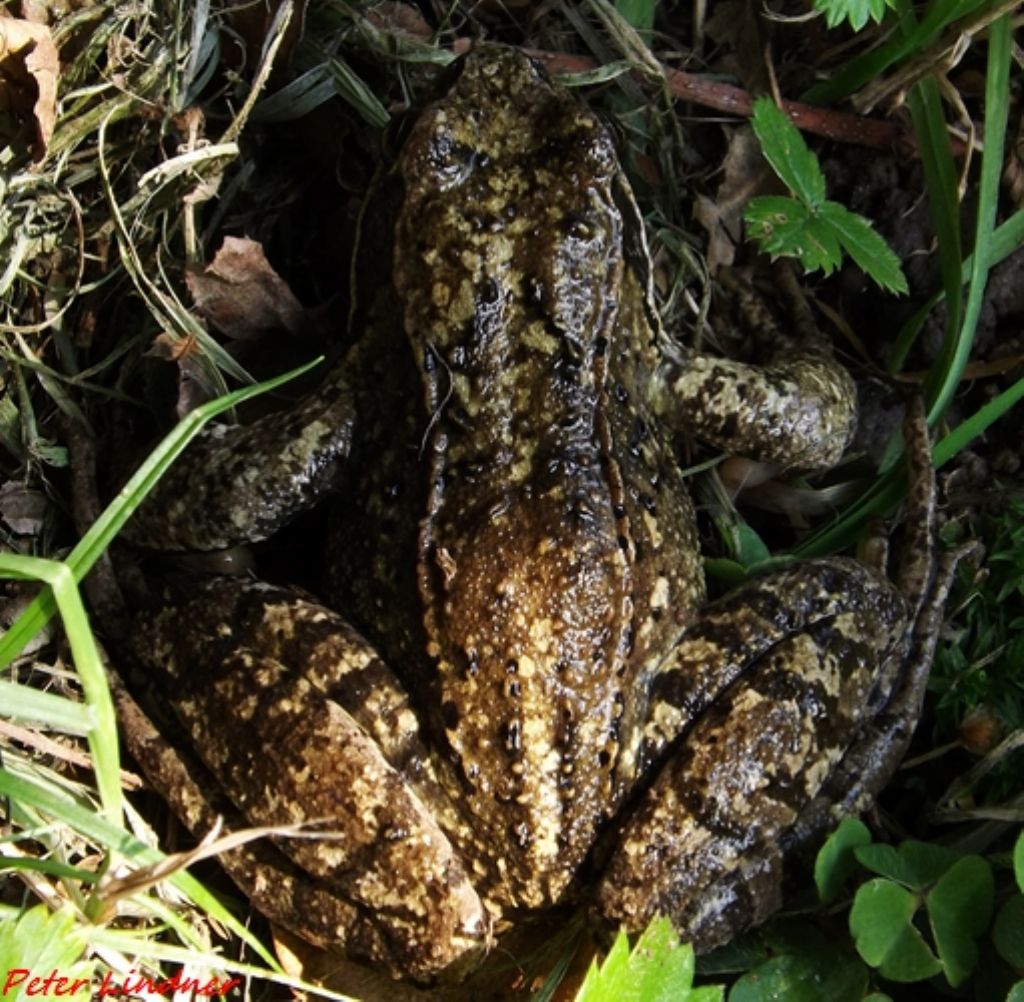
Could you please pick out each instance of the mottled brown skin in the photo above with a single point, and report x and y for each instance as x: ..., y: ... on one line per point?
x: 519, y: 546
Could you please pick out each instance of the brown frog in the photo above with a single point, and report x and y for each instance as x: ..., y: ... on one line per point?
x: 544, y: 693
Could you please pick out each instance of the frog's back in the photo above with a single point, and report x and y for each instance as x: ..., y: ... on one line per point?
x: 510, y: 275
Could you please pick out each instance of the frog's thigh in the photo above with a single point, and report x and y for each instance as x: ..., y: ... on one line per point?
x: 798, y: 663
x: 273, y: 884
x: 285, y: 750
x: 797, y: 412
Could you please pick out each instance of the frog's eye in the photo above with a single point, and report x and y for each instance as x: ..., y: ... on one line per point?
x: 580, y: 227
x: 443, y: 162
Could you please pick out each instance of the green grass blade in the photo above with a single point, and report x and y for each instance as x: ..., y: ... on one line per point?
x: 941, y: 181
x: 29, y: 705
x: 51, y: 867
x: 885, y: 493
x: 115, y: 839
x: 956, y: 351
x: 977, y: 423
x: 102, y: 734
x: 1006, y: 239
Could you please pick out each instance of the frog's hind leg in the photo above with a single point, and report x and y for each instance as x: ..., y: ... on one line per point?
x: 300, y: 723
x: 812, y: 731
x: 779, y: 673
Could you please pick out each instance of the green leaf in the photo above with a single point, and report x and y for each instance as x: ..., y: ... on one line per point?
x: 639, y: 13
x: 854, y: 12
x: 790, y: 157
x: 836, y: 862
x: 917, y: 865
x: 881, y: 922
x: 1016, y: 993
x: 869, y: 251
x: 1008, y: 932
x: 806, y: 977
x: 1018, y: 861
x: 657, y: 970
x: 785, y: 226
x: 41, y: 941
x: 959, y: 910
x: 809, y: 227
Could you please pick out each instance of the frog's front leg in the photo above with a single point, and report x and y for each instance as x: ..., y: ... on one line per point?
x: 240, y: 484
x: 798, y: 411
x: 786, y: 666
x: 300, y: 723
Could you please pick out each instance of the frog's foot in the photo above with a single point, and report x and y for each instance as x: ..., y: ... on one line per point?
x: 703, y: 843
x: 299, y: 722
x: 240, y: 484
x: 924, y: 580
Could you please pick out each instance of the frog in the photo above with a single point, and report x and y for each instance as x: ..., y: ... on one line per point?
x: 517, y: 694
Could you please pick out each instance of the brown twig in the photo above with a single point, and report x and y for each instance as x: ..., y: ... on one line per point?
x: 841, y: 126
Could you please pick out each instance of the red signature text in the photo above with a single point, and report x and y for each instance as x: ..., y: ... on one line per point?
x: 32, y: 984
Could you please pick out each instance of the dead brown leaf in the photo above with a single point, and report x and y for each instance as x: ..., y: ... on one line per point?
x: 22, y: 510
x: 29, y: 70
x: 241, y: 295
x: 399, y: 19
x: 745, y: 173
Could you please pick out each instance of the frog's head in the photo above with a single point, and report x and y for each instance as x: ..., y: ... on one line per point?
x: 504, y: 117
x: 510, y: 231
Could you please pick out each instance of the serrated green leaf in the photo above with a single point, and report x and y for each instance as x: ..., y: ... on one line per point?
x: 1018, y: 861
x: 808, y: 977
x: 658, y: 969
x: 1008, y: 932
x: 836, y: 862
x: 959, y: 910
x: 790, y: 157
x: 786, y: 226
x: 41, y: 941
x: 854, y: 12
x: 881, y: 922
x: 914, y: 864
x: 867, y: 248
